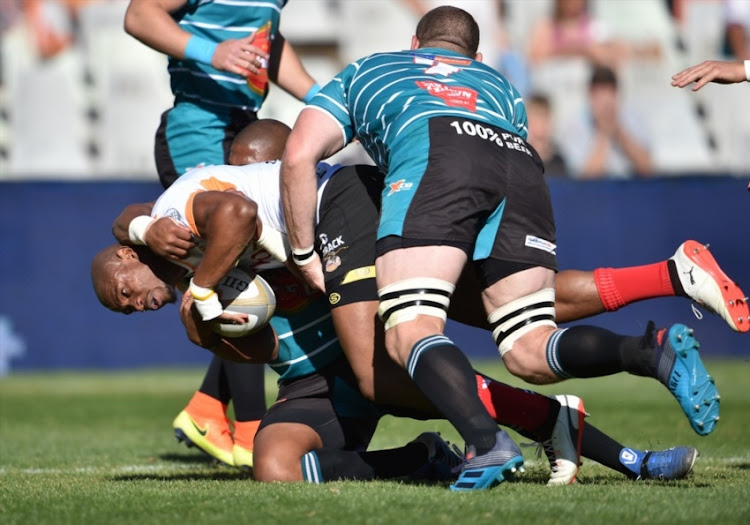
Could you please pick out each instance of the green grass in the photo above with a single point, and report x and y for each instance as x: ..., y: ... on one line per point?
x: 97, y: 448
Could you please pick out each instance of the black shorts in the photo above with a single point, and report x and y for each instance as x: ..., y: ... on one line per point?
x: 329, y: 403
x: 346, y: 233
x: 483, y: 191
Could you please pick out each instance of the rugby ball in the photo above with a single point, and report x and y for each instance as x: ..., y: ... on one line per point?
x: 248, y: 293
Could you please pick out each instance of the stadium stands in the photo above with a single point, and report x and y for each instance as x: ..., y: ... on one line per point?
x: 101, y: 99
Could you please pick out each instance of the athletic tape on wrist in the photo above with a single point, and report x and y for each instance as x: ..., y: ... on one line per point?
x: 311, y: 93
x: 206, y: 301
x: 200, y: 50
x: 747, y: 70
x: 138, y: 227
x: 303, y: 256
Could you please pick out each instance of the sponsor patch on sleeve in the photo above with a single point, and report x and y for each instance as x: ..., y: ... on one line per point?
x: 540, y: 244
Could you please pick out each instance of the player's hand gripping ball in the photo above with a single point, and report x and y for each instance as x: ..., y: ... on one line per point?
x: 248, y: 293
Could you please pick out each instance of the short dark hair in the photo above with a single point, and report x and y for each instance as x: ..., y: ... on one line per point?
x: 603, y: 76
x: 539, y: 99
x: 450, y: 28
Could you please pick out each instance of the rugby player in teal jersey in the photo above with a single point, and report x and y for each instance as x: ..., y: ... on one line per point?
x: 462, y: 184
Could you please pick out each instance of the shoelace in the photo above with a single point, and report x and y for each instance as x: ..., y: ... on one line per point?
x: 542, y: 447
x: 696, y: 311
x: 461, y: 458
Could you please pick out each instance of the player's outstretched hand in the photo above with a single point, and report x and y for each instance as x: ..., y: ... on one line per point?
x: 716, y: 71
x: 169, y: 239
x: 231, y: 318
x: 313, y: 274
x: 239, y: 56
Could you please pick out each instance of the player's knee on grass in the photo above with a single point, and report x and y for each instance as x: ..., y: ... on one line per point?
x: 278, y: 451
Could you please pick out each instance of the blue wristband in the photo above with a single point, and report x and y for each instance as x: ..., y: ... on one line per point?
x: 200, y: 50
x: 311, y: 93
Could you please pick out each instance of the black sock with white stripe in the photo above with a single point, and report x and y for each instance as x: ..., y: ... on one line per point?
x: 327, y: 464
x: 589, y: 351
x: 444, y: 375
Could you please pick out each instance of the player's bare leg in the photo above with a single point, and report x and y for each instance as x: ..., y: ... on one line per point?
x: 279, y: 448
x: 415, y: 286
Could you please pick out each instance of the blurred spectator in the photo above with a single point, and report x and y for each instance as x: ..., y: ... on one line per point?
x: 607, y: 140
x: 52, y: 24
x: 539, y: 112
x: 737, y: 26
x: 10, y: 13
x: 572, y: 31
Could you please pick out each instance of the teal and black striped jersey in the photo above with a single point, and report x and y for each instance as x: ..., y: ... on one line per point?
x: 380, y: 98
x: 217, y: 21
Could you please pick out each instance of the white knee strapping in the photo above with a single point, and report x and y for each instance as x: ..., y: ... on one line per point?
x: 404, y: 300
x: 518, y: 317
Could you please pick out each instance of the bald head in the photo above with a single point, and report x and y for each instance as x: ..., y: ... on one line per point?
x: 449, y: 28
x: 123, y: 282
x: 103, y: 269
x: 261, y: 141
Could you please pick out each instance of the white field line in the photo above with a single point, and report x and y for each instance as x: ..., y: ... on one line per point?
x: 124, y: 469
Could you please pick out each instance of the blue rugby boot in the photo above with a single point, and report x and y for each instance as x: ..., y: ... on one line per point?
x: 673, y: 463
x: 498, y: 465
x: 681, y: 370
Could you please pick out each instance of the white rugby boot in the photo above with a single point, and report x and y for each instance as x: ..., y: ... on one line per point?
x: 706, y: 283
x: 563, y: 448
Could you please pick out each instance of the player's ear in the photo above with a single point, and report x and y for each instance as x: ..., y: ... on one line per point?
x: 478, y: 57
x: 126, y: 252
x: 414, y: 42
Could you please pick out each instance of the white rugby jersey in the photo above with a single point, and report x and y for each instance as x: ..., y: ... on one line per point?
x: 258, y: 182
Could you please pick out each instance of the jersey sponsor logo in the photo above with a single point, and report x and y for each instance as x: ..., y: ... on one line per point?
x: 399, y: 185
x: 454, y: 96
x: 334, y: 298
x: 431, y: 59
x: 330, y: 249
x: 332, y: 261
x: 174, y: 214
x: 258, y: 82
x: 540, y: 244
x: 327, y: 246
x: 257, y: 258
x: 359, y: 274
x: 291, y: 294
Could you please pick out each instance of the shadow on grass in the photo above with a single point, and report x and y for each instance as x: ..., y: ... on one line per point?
x: 186, y: 476
x: 192, y: 458
x: 741, y: 466
x: 686, y: 483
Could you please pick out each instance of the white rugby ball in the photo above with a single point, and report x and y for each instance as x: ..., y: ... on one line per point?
x: 248, y: 293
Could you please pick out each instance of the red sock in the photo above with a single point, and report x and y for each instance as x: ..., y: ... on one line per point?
x: 514, y: 407
x: 621, y: 286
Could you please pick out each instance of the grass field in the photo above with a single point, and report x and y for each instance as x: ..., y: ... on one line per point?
x: 97, y: 448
